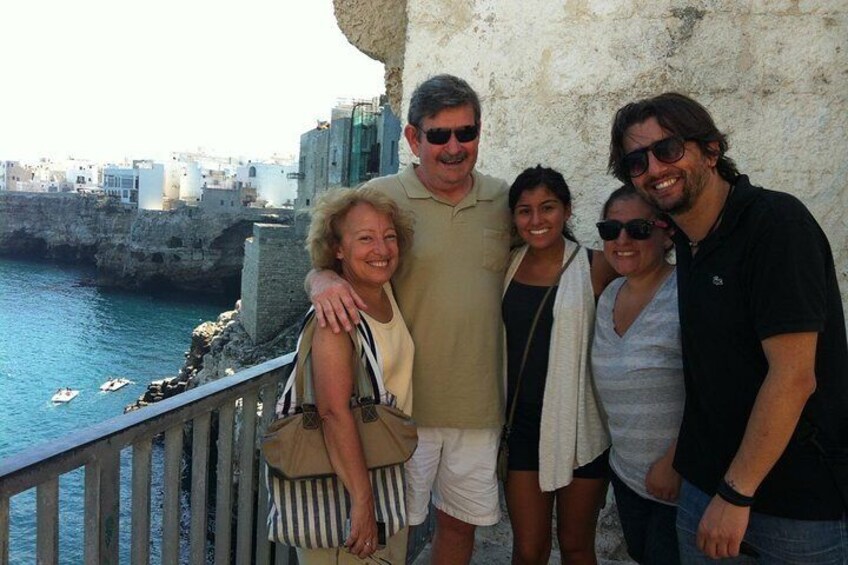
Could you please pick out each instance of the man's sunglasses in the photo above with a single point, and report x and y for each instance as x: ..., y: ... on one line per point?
x: 440, y: 136
x: 668, y: 150
x: 636, y: 229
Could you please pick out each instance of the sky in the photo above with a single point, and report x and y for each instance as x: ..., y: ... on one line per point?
x: 114, y: 79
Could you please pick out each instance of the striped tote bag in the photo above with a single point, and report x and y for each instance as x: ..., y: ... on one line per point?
x: 312, y: 513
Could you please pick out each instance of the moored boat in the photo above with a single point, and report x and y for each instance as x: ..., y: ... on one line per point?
x: 114, y: 384
x: 63, y: 395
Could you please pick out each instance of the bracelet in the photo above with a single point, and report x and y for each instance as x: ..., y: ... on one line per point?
x: 732, y: 496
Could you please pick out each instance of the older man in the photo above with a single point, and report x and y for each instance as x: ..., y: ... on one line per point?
x: 449, y: 291
x: 764, y: 346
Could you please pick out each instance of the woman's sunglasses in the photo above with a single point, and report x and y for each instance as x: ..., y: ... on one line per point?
x: 668, y: 150
x: 440, y: 136
x: 636, y: 229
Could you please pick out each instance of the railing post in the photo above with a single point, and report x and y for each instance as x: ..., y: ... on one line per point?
x: 224, y: 488
x: 47, y: 519
x: 263, y: 546
x: 171, y: 506
x: 141, y: 482
x: 199, y: 467
x: 246, y: 475
x: 4, y: 529
x: 110, y: 506
x: 92, y: 514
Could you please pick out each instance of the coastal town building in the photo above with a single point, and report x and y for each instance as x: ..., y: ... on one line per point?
x: 143, y: 183
x: 47, y: 176
x: 83, y: 175
x: 359, y: 142
x: 14, y: 176
x: 275, y: 182
x: 221, y: 199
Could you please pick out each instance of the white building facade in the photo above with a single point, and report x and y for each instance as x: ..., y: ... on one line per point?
x: 14, y: 176
x: 275, y: 183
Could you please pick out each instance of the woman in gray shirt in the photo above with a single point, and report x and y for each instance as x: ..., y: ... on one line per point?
x: 638, y: 372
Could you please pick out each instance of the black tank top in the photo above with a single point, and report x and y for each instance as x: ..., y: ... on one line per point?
x: 518, y: 308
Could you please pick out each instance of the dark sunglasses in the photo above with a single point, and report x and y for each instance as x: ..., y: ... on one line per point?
x: 636, y: 229
x: 668, y: 150
x: 440, y: 136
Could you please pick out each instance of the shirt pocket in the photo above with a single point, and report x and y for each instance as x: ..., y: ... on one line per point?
x: 495, y: 249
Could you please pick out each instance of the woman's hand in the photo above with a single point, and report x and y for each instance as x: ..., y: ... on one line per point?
x: 333, y: 373
x: 362, y: 540
x: 335, y: 301
x: 662, y: 481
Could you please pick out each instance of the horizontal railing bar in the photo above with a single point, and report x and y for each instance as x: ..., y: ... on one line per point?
x: 28, y: 468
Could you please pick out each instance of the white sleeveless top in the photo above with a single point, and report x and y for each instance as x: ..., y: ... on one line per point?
x: 395, y: 352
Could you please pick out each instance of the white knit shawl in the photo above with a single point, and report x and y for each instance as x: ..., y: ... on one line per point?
x: 573, y: 431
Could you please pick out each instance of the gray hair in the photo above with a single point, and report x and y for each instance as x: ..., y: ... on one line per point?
x: 440, y: 92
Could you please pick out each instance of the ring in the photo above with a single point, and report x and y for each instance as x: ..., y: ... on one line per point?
x: 367, y: 544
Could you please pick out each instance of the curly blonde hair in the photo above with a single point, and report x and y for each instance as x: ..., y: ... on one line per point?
x: 332, y: 207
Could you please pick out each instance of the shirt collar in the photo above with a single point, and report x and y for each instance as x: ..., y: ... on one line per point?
x: 742, y: 195
x: 415, y: 189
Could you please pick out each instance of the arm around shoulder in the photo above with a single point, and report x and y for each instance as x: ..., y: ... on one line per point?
x: 336, y: 302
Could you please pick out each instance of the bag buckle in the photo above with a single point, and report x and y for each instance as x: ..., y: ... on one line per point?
x: 310, y: 420
x: 367, y: 410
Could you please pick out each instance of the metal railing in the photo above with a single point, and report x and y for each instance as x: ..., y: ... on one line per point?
x: 98, y: 449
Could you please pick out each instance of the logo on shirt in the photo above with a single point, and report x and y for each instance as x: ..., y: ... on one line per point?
x: 718, y: 281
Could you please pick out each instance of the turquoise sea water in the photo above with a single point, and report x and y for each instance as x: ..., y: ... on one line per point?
x: 55, y: 332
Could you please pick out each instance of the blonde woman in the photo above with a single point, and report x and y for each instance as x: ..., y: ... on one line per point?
x: 361, y: 235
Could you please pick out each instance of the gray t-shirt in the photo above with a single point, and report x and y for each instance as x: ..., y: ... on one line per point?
x: 639, y: 380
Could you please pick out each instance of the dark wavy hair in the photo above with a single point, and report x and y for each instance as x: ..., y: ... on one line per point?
x: 535, y: 177
x: 679, y: 115
x: 627, y: 192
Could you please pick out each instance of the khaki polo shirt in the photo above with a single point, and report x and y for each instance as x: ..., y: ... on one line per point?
x: 449, y: 290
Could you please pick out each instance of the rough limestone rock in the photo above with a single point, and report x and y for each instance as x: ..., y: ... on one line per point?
x: 187, y: 249
x: 63, y: 227
x: 551, y: 75
x: 222, y: 348
x: 382, y: 38
x: 218, y: 349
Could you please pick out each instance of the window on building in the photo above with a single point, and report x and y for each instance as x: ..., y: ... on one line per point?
x: 222, y: 202
x: 251, y: 172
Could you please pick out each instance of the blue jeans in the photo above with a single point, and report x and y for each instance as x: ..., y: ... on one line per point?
x: 769, y: 539
x: 648, y: 526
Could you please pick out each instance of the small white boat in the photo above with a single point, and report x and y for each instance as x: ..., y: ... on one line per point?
x: 63, y: 395
x: 114, y: 384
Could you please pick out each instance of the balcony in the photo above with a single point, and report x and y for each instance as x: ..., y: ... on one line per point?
x: 207, y: 416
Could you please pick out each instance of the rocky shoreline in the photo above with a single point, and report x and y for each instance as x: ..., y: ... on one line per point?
x: 218, y: 349
x: 185, y: 249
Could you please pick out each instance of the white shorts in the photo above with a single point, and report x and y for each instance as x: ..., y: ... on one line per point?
x: 458, y: 467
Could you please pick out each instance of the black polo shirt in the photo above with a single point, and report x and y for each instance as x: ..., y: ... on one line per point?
x: 767, y: 270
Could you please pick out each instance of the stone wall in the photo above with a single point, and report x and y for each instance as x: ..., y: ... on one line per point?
x: 551, y: 74
x: 272, y: 295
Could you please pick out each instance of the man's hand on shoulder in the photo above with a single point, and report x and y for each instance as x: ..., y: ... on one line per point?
x: 336, y: 303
